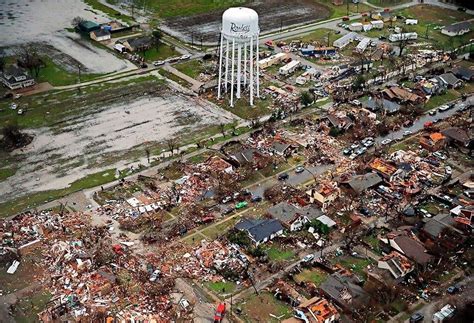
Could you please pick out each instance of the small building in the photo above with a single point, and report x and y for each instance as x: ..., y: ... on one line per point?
x: 342, y: 287
x: 289, y: 68
x: 120, y: 48
x: 402, y: 242
x: 14, y: 77
x: 272, y: 60
x: 345, y: 40
x: 433, y: 142
x: 260, y: 230
x: 397, y: 264
x: 355, y: 26
x: 402, y: 36
x: 319, y: 310
x: 293, y: 217
x: 385, y: 16
x: 138, y: 44
x: 464, y: 73
x: 324, y: 194
x: 444, y: 314
x: 327, y: 221
x: 88, y: 26
x: 377, y: 24
x: 411, y: 22
x: 450, y: 80
x: 100, y: 34
x: 361, y: 47
x: 457, y: 29
x: 361, y: 183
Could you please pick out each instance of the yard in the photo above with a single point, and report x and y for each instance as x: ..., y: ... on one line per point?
x: 191, y: 68
x: 357, y: 265
x: 437, y: 100
x: 163, y: 51
x: 344, y: 10
x: 243, y: 109
x: 387, y: 3
x: 222, y: 287
x: 319, y: 35
x: 55, y: 75
x: 315, y: 276
x: 264, y: 308
x: 276, y: 253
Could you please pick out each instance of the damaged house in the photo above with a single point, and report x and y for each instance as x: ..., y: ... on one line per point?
x: 260, y: 230
x: 403, y: 242
x: 360, y: 183
x: 293, y: 217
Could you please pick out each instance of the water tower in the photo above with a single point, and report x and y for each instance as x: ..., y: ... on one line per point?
x: 238, y: 59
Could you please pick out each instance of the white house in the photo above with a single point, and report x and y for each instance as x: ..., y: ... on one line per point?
x: 272, y: 60
x: 289, y: 68
x: 345, y: 40
x: 100, y: 35
x: 16, y: 78
x: 402, y: 36
x: 457, y: 29
x: 444, y: 314
x: 377, y: 24
x: 362, y: 45
x: 356, y: 26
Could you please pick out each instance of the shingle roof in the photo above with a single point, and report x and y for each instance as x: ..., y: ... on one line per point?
x: 449, y: 78
x: 360, y: 183
x: 456, y: 27
x: 259, y: 229
x: 286, y: 212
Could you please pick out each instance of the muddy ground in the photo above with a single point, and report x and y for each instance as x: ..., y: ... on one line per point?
x: 45, y: 22
x: 89, y: 138
x: 273, y: 14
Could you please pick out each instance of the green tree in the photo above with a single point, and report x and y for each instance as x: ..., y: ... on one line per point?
x: 306, y: 99
x: 359, y: 83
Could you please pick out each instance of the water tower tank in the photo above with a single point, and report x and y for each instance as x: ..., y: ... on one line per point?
x: 240, y: 24
x: 239, y: 54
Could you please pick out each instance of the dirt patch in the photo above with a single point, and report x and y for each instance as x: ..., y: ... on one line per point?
x: 273, y: 14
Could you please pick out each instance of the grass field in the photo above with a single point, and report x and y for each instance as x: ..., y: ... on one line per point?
x: 162, y: 52
x: 191, y: 68
x: 39, y: 198
x: 221, y: 287
x: 438, y: 100
x: 55, y: 75
x: 243, y: 109
x: 276, y: 254
x: 315, y: 276
x: 174, y: 8
x: 112, y: 13
x: 387, y: 3
x: 356, y: 265
x: 319, y: 35
x: 344, y: 10
x: 258, y: 308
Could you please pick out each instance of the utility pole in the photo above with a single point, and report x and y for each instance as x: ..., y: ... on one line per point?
x: 329, y: 33
x: 281, y: 24
x: 201, y: 43
x: 192, y: 38
x: 347, y: 8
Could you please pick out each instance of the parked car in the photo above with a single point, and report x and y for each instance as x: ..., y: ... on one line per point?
x: 241, y: 205
x: 283, y: 176
x: 299, y: 169
x: 417, y: 317
x: 432, y: 112
x: 425, y: 213
x: 228, y: 210
x: 356, y: 102
x: 347, y: 151
x: 308, y: 258
x: 154, y: 275
x: 256, y: 198
x: 186, y: 56
x: 158, y: 63
x: 226, y: 199
x: 452, y: 289
x: 448, y: 170
x: 439, y: 155
x: 407, y: 133
x: 219, y: 315
x: 354, y: 146
x: 443, y: 108
x: 386, y: 141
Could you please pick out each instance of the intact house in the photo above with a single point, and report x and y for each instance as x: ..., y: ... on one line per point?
x: 100, y: 35
x: 138, y: 44
x: 375, y: 104
x: 404, y: 243
x: 293, y: 217
x: 450, y: 80
x: 464, y: 73
x: 14, y: 78
x: 344, y: 289
x: 260, y: 230
x: 457, y: 29
x: 324, y: 194
x: 397, y: 264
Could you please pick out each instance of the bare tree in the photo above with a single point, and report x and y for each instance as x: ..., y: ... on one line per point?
x: 172, y: 145
x: 76, y: 21
x: 29, y: 58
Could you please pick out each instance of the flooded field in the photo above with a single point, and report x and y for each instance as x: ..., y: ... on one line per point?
x: 273, y: 14
x: 45, y: 22
x: 87, y: 142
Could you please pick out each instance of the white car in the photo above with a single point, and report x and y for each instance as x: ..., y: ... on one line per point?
x: 443, y: 108
x: 407, y: 133
x: 158, y: 63
x: 439, y: 155
x: 308, y: 258
x: 425, y: 213
x: 154, y: 275
x: 448, y: 170
x: 386, y: 141
x: 186, y: 56
x: 13, y: 106
x: 356, y: 102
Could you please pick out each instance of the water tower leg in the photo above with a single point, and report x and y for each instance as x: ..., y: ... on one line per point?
x: 245, y: 64
x: 226, y: 64
x: 251, y: 70
x: 258, y: 69
x: 219, y: 85
x: 239, y: 69
x: 232, y: 75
